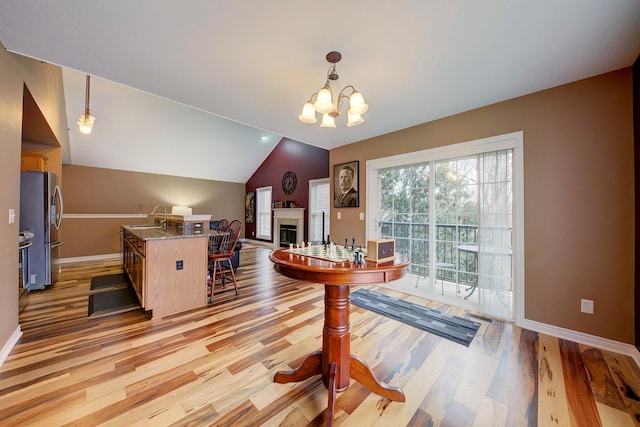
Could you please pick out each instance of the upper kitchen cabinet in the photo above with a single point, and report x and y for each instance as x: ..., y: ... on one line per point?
x: 40, y: 148
x: 32, y: 161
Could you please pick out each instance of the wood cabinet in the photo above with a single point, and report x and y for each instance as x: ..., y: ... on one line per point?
x: 32, y: 161
x: 134, y: 264
x: 169, y: 275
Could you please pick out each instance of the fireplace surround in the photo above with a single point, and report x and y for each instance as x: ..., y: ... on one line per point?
x: 287, y: 216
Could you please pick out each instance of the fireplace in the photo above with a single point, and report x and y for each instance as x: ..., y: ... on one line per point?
x: 288, y: 233
x: 293, y: 220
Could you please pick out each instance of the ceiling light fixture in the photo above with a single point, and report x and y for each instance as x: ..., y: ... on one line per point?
x: 86, y: 120
x: 325, y: 103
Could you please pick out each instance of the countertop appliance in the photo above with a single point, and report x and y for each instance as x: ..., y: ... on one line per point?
x: 41, y: 211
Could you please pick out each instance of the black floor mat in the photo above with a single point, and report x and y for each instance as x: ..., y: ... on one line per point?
x: 444, y: 325
x: 109, y: 281
x: 112, y: 302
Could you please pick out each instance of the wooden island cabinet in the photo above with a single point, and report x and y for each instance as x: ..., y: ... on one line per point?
x: 167, y: 268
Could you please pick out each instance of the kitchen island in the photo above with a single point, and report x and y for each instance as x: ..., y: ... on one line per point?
x: 167, y: 268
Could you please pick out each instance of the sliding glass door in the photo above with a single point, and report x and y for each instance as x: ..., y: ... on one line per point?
x: 453, y: 217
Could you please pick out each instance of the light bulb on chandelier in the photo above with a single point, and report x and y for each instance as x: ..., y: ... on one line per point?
x: 329, y: 106
x: 86, y: 120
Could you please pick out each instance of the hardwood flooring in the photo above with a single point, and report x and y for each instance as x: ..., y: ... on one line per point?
x: 215, y: 366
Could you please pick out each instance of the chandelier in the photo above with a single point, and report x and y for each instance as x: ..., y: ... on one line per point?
x: 329, y: 106
x: 86, y: 120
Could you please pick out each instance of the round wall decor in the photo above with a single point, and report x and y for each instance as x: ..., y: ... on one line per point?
x: 289, y: 182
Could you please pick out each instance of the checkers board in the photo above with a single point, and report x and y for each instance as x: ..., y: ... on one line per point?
x: 341, y: 254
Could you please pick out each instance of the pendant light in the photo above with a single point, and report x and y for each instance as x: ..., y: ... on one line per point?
x: 86, y: 120
x: 330, y: 107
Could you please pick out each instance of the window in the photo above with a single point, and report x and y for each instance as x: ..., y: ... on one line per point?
x: 454, y: 211
x: 263, y: 213
x: 319, y: 205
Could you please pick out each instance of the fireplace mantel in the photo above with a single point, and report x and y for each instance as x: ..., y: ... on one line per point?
x: 287, y: 216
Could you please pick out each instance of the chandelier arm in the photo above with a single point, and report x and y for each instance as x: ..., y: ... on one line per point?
x: 342, y: 96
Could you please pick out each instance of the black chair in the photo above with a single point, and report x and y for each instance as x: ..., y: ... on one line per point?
x: 214, y: 241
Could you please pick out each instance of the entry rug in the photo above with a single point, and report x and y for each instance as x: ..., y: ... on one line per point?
x: 118, y: 280
x: 454, y: 328
x: 113, y: 301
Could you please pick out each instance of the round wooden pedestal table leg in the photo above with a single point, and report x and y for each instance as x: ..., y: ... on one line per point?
x: 309, y: 367
x: 335, y: 362
x: 328, y: 420
x: 336, y: 336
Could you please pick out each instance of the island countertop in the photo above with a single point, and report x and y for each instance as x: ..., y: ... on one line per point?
x: 145, y: 232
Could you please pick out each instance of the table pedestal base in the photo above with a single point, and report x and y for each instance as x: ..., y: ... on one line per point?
x: 359, y: 372
x: 335, y: 363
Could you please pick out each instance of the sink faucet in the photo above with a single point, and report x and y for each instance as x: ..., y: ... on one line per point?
x: 164, y: 220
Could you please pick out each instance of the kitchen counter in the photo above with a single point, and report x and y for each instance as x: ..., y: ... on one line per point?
x: 145, y: 233
x: 167, y: 268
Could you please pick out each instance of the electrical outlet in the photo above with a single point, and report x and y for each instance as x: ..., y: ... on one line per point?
x: 586, y: 306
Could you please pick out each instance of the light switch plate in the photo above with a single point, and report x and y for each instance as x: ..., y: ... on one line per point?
x: 361, y: 216
x: 339, y: 215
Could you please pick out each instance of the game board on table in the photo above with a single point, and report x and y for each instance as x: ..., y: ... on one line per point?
x: 341, y: 253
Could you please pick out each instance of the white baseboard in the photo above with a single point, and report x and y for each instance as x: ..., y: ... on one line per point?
x: 582, y: 338
x: 90, y: 258
x: 9, y: 345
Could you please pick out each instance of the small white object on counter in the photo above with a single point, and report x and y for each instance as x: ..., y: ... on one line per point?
x: 181, y: 210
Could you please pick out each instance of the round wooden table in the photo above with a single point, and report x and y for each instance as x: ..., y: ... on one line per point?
x: 335, y: 362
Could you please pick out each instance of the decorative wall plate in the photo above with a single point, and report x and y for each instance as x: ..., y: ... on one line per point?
x: 289, y: 182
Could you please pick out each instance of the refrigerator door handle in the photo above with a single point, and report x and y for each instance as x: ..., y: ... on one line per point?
x: 56, y: 244
x: 58, y: 220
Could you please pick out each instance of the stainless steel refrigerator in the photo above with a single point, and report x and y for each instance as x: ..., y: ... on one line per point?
x: 41, y: 211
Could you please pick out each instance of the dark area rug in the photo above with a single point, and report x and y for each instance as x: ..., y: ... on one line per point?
x: 454, y: 328
x: 113, y: 302
x: 109, y: 281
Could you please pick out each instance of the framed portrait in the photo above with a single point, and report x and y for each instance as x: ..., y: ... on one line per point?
x: 250, y: 207
x: 345, y: 185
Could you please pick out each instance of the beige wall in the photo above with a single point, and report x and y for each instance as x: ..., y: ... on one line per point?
x: 579, y: 200
x: 45, y: 83
x: 89, y: 190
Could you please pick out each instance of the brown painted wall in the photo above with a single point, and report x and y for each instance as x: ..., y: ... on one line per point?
x: 90, y: 190
x: 579, y: 195
x: 306, y: 161
x: 45, y: 84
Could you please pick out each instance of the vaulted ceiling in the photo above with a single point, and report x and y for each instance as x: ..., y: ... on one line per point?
x: 207, y: 88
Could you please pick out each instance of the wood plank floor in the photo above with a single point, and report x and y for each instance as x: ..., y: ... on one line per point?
x: 215, y: 366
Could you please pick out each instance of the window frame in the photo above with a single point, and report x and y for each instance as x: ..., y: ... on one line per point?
x: 262, y: 211
x: 515, y: 141
x: 313, y: 184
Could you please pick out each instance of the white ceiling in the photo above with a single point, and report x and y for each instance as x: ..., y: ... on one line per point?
x: 257, y: 62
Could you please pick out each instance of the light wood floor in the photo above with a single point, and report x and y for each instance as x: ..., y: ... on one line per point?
x: 215, y: 366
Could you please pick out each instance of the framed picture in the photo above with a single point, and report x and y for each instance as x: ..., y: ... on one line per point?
x: 345, y: 187
x: 250, y: 207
